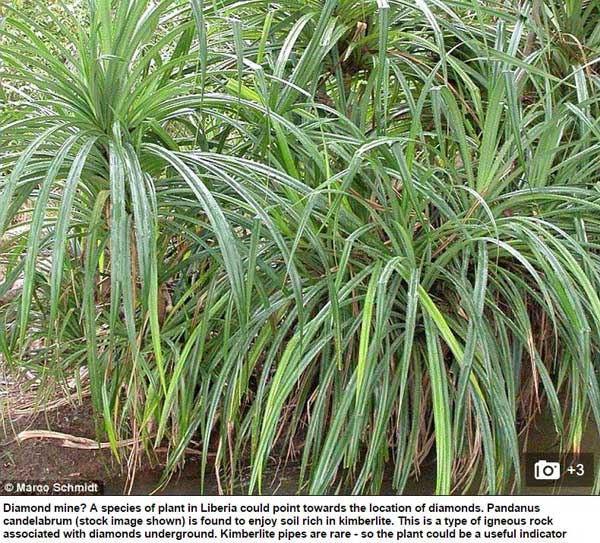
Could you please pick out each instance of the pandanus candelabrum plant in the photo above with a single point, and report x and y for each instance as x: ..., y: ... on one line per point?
x: 359, y: 233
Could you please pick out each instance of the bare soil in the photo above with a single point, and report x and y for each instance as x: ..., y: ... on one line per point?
x: 43, y: 459
x: 47, y: 460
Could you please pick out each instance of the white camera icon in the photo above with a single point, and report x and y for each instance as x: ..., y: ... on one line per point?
x: 546, y: 471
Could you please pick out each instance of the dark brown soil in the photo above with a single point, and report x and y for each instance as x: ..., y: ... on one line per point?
x: 45, y: 459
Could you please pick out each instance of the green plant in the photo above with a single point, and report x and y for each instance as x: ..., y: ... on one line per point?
x: 366, y: 227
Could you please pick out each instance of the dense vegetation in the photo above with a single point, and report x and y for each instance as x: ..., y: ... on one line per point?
x: 360, y: 233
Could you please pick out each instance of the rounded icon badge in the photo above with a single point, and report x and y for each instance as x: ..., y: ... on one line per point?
x: 8, y: 487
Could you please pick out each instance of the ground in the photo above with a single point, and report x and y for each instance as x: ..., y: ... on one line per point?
x: 43, y: 459
x: 47, y: 460
x: 37, y: 459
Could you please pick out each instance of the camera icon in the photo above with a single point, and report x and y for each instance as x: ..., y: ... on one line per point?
x: 546, y: 471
